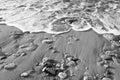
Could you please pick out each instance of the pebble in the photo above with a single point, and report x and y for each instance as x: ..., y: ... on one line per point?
x: 106, y: 78
x: 76, y: 39
x: 105, y: 56
x: 69, y: 58
x: 50, y: 48
x: 2, y: 57
x: 108, y: 36
x: 24, y: 74
x: 62, y: 75
x: 28, y: 47
x: 1, y: 67
x: 43, y: 69
x: 47, y: 41
x: 54, y: 51
x: 43, y: 60
x: 58, y: 65
x: 85, y: 78
x: 100, y: 63
x: 10, y: 66
x: 106, y: 65
x: 62, y: 66
x: 16, y: 55
x: 24, y: 45
x: 110, y: 53
x: 32, y: 47
x: 23, y: 54
x: 115, y: 61
x: 16, y: 34
x: 71, y: 63
x: 8, y: 54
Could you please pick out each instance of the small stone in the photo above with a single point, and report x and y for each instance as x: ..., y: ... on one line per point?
x: 62, y: 75
x: 106, y: 65
x: 62, y: 66
x: 16, y: 55
x: 104, y: 56
x: 115, y: 61
x: 10, y: 66
x: 106, y: 78
x: 108, y: 36
x: 31, y: 47
x: 69, y: 58
x: 116, y: 44
x: 24, y: 74
x: 50, y: 48
x: 16, y: 34
x: 54, y: 51
x: 85, y: 78
x: 2, y: 66
x: 58, y: 65
x: 110, y: 53
x: 8, y: 54
x: 71, y: 63
x: 28, y: 47
x: 69, y: 42
x: 99, y: 63
x: 3, y: 57
x: 24, y: 45
x: 23, y: 54
x: 76, y: 39
x: 47, y: 41
x: 27, y: 73
x: 44, y: 59
x: 43, y: 69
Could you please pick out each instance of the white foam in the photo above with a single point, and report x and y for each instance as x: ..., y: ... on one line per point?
x: 26, y: 19
x: 48, y: 30
x: 81, y: 28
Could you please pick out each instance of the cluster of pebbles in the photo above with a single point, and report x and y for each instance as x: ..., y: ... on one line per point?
x: 22, y: 49
x: 7, y: 58
x: 109, y: 57
x: 22, y: 46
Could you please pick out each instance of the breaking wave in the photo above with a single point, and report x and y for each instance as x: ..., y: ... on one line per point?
x: 60, y: 17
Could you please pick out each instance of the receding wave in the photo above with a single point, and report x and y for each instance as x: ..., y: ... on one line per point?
x: 58, y: 17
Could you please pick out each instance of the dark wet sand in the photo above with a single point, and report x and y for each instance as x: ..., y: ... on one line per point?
x: 86, y: 48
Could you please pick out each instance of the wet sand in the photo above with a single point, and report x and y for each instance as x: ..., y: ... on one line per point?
x: 84, y: 45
